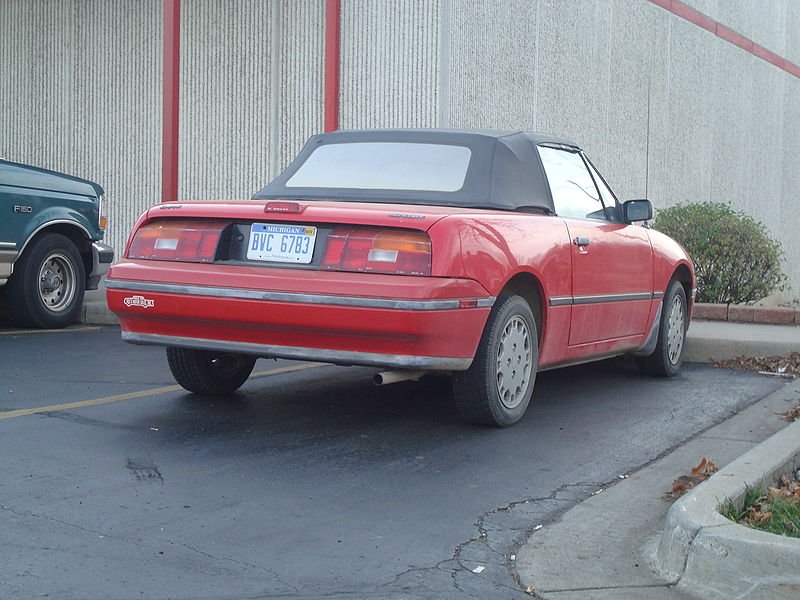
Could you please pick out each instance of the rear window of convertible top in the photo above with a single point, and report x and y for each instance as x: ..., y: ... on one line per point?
x: 384, y: 166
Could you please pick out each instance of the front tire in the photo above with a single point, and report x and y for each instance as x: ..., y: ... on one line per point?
x: 209, y: 372
x: 497, y: 388
x: 47, y: 286
x: 666, y: 359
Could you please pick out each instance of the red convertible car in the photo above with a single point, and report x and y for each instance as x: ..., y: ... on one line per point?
x: 486, y: 255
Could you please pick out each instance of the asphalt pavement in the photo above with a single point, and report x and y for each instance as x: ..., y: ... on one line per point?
x: 310, y: 482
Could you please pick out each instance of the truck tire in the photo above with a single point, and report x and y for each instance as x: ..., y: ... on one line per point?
x: 209, y: 372
x: 47, y: 286
x: 497, y: 388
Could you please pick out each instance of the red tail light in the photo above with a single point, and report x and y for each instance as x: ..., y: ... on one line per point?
x: 378, y: 251
x: 189, y: 241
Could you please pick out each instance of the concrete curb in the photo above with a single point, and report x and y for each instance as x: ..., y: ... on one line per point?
x: 743, y: 313
x: 708, y: 556
x: 97, y: 313
x: 708, y: 341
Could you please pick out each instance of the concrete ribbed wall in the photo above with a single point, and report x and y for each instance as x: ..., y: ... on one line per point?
x: 666, y: 109
x: 301, y: 73
x: 389, y: 63
x: 80, y: 91
x: 251, y: 92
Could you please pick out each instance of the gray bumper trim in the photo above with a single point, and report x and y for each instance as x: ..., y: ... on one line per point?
x: 339, y: 357
x: 102, y: 257
x: 294, y: 297
x: 7, y: 258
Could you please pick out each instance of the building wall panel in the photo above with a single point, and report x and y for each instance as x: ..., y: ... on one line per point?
x: 80, y: 92
x: 792, y: 51
x: 628, y: 103
x: 665, y: 109
x: 389, y: 63
x: 690, y: 118
x: 788, y: 208
x: 226, y: 86
x: 302, y: 76
x: 492, y: 64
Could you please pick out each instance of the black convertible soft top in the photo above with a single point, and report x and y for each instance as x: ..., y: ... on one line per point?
x: 504, y: 170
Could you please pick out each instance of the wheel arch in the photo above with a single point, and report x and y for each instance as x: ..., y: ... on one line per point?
x: 683, y: 275
x: 71, y: 230
x: 529, y: 287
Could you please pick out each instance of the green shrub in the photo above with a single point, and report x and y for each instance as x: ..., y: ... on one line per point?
x: 735, y: 259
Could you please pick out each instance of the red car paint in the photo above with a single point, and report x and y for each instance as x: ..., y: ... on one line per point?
x: 475, y: 254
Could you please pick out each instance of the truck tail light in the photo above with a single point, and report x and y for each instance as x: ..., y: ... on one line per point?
x: 378, y: 251
x: 188, y: 241
x: 102, y: 217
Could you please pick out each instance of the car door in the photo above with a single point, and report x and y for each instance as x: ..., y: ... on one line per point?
x: 612, y: 263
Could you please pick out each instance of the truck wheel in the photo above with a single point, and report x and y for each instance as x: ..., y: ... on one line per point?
x: 209, y: 372
x: 48, y: 283
x: 497, y: 388
x: 666, y: 359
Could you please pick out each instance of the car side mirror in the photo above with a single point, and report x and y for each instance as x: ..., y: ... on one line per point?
x: 637, y: 210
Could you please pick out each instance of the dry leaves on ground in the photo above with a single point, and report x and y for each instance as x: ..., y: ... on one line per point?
x: 790, y: 415
x: 781, y: 366
x: 684, y: 483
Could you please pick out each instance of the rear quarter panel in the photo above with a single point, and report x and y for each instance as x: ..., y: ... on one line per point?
x: 491, y: 249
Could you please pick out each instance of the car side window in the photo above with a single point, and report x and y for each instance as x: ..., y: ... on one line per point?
x: 608, y: 197
x: 574, y: 192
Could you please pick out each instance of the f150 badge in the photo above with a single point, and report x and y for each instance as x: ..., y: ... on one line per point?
x: 18, y: 208
x: 139, y: 301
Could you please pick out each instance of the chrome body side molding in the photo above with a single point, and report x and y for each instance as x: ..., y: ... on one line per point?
x: 293, y: 297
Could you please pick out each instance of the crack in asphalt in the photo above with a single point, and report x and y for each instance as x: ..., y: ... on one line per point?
x: 496, y: 542
x: 241, y: 563
x: 71, y: 417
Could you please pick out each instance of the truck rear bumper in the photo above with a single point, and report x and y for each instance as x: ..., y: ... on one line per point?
x: 102, y: 257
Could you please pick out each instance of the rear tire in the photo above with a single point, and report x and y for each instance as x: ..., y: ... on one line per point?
x: 209, y: 372
x: 666, y: 359
x: 47, y: 286
x: 497, y: 388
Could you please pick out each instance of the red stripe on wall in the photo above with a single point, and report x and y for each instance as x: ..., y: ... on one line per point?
x: 169, y: 132
x: 333, y: 9
x: 694, y: 16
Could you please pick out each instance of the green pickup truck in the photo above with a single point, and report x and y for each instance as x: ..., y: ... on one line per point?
x: 51, y: 225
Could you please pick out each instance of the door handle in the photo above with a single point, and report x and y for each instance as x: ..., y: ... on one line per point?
x: 581, y: 241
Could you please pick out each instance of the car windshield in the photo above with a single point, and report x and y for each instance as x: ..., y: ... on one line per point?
x: 384, y: 166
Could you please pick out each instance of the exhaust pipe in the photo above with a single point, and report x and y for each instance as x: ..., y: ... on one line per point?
x: 388, y: 377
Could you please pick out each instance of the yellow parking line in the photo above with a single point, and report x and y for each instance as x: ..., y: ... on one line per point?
x: 11, y: 414
x: 19, y: 331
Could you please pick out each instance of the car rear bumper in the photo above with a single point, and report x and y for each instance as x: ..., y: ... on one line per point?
x: 340, y: 357
x: 427, y: 323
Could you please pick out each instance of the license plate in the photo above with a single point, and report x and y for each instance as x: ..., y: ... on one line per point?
x: 281, y: 243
